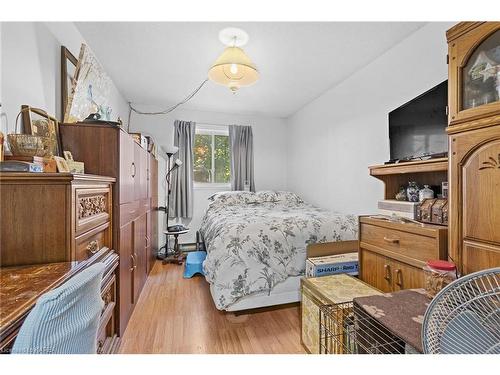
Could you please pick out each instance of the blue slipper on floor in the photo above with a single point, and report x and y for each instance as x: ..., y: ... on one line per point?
x: 194, y: 263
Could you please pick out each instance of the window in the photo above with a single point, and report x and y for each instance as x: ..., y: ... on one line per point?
x: 212, y: 156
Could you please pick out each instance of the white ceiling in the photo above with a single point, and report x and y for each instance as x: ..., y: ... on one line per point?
x: 160, y: 63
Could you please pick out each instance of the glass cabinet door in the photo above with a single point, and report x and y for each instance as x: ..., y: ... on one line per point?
x: 481, y: 74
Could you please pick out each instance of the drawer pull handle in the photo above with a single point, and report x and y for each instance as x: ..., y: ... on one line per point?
x: 387, y: 272
x: 133, y: 169
x: 93, y: 246
x: 391, y: 240
x: 133, y: 263
x: 399, y: 277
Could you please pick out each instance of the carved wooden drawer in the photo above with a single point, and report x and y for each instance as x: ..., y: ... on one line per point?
x: 91, y: 242
x: 92, y: 208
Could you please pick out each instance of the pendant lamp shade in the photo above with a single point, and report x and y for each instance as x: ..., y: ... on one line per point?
x: 233, y: 69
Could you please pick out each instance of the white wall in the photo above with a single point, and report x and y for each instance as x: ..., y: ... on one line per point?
x: 269, y: 150
x: 332, y: 140
x: 31, y: 68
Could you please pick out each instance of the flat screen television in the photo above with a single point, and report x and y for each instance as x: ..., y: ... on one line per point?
x: 417, y: 128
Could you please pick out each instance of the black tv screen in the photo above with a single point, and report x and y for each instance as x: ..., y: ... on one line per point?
x: 417, y: 128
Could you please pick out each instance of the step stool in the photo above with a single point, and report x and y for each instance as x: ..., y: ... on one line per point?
x: 194, y: 263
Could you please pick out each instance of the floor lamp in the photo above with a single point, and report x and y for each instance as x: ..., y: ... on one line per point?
x: 169, y: 151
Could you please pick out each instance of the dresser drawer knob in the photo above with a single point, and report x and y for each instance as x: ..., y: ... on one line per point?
x: 93, y: 246
x: 399, y: 277
x: 391, y: 240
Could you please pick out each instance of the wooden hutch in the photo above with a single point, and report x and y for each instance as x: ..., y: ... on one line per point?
x: 474, y: 144
x: 392, y: 254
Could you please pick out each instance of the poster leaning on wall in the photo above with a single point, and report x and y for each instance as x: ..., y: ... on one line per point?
x: 91, y: 89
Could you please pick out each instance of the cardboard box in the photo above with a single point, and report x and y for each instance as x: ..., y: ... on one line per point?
x: 332, y: 265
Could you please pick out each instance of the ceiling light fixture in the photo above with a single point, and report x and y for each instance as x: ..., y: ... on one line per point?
x: 233, y: 68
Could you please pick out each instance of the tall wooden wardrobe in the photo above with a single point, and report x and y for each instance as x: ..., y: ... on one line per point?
x: 110, y: 151
x: 474, y: 145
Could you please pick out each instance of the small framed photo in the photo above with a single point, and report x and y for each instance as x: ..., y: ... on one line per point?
x: 37, y: 122
x: 68, y: 156
x: 62, y: 165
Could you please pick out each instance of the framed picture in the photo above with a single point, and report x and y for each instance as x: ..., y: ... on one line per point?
x: 90, y: 91
x: 62, y: 165
x: 37, y: 122
x: 68, y: 70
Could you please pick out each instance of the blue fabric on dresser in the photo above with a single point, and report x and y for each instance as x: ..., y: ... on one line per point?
x: 194, y: 263
x: 65, y: 320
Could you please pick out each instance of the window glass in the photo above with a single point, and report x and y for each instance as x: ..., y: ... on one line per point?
x: 212, y: 157
x: 222, y: 159
x: 202, y: 165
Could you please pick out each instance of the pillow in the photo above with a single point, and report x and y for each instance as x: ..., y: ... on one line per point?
x: 267, y: 196
x: 279, y: 196
x: 233, y: 197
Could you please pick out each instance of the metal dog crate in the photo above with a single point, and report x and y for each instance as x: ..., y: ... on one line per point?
x: 346, y: 328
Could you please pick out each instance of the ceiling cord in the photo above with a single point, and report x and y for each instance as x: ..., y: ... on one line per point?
x: 168, y: 110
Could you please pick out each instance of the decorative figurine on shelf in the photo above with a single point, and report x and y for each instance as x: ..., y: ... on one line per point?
x: 412, y: 191
x: 425, y: 193
x: 401, y: 195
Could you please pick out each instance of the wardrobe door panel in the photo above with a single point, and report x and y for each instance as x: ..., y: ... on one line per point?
x: 128, y: 168
x: 407, y: 277
x: 375, y: 270
x: 141, y: 177
x: 127, y: 275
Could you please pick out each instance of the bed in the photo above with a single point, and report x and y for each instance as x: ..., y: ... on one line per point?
x: 256, y: 245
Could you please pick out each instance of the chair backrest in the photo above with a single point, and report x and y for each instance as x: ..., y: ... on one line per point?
x: 66, y: 319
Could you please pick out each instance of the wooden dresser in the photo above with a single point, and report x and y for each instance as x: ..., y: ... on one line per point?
x: 110, y: 151
x: 474, y: 142
x: 53, y: 217
x: 392, y: 254
x: 52, y: 226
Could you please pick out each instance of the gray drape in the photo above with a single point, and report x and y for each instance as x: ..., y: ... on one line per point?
x: 241, y: 157
x: 181, y: 198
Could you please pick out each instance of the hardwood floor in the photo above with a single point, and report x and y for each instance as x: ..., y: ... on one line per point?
x: 177, y: 315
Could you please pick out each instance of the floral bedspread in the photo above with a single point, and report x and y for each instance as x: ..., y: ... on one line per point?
x: 255, y: 242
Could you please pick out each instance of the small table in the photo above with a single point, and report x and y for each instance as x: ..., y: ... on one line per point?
x: 176, y: 257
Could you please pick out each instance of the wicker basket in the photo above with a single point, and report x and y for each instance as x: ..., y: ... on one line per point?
x: 30, y: 145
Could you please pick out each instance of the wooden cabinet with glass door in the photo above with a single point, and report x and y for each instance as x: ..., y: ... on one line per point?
x: 474, y: 74
x: 474, y: 139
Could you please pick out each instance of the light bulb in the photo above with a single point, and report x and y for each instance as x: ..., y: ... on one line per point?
x: 233, y: 69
